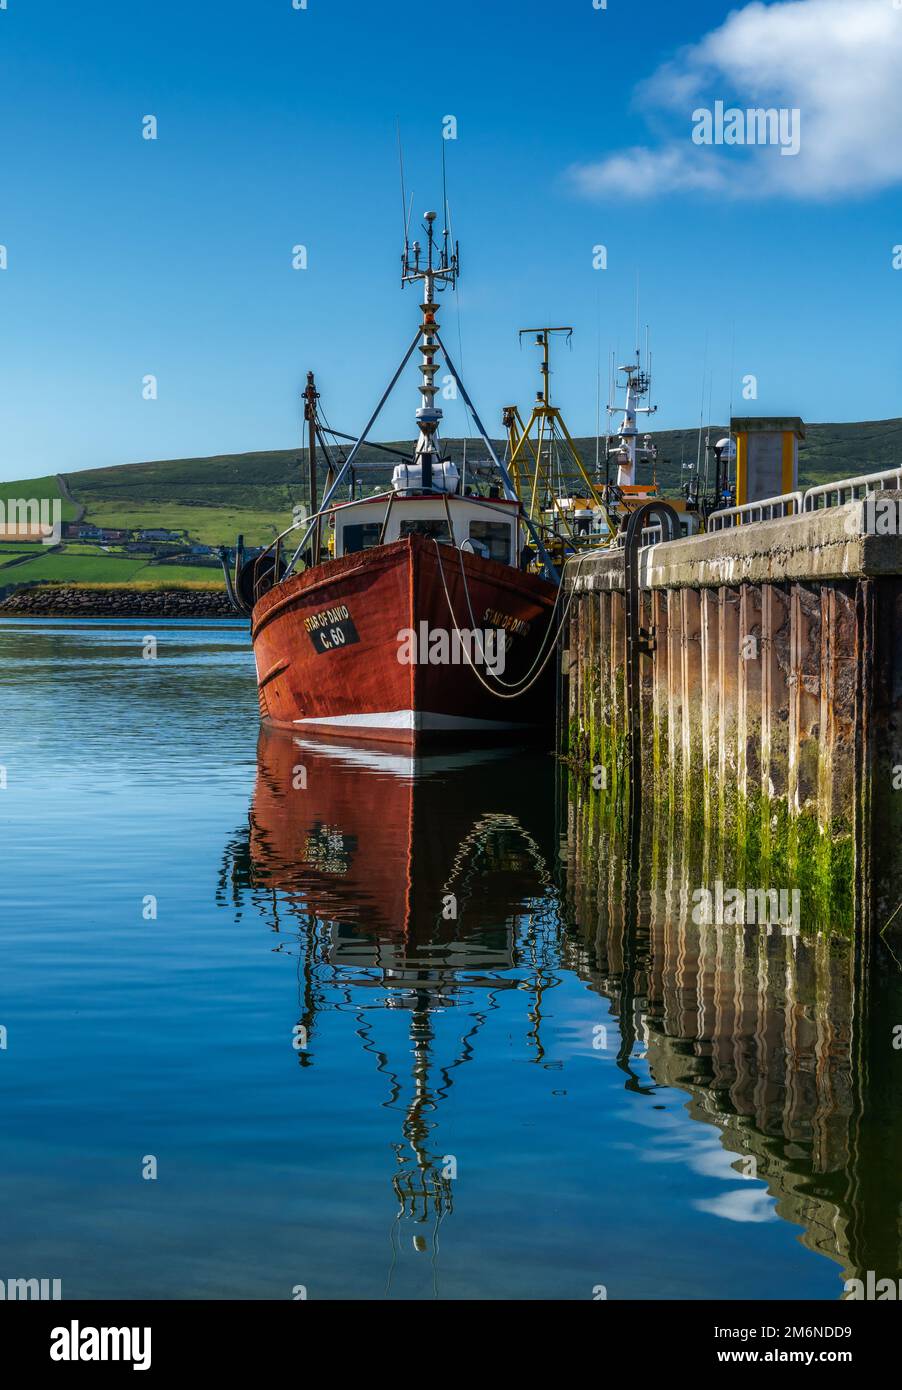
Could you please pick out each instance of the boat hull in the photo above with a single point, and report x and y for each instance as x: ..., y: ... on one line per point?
x: 371, y: 840
x: 334, y: 656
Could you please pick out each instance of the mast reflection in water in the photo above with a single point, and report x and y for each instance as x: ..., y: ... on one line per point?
x: 397, y: 892
x: 427, y: 889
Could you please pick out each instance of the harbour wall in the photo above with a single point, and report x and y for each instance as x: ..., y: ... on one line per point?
x: 765, y: 718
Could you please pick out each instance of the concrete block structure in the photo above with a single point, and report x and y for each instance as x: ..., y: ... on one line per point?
x: 767, y: 456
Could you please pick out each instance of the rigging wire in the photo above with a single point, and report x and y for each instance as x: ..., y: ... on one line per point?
x: 514, y: 688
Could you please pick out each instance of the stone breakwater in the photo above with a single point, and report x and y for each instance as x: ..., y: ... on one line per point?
x: 57, y: 601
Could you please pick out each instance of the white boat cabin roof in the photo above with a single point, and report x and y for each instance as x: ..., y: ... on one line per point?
x: 488, y: 526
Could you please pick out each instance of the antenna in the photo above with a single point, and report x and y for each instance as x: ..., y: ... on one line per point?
x: 701, y: 412
x: 436, y: 277
x: 403, y: 193
x: 730, y: 421
x: 406, y: 209
x: 445, y: 214
x: 598, y: 391
x: 610, y: 411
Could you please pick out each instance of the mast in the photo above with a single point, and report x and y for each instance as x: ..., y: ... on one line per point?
x: 628, y: 452
x: 311, y: 396
x: 434, y: 278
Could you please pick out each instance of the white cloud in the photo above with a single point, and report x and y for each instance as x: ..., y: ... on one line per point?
x: 641, y: 172
x: 837, y: 61
x: 740, y: 1205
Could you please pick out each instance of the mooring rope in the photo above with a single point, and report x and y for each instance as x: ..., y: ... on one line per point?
x: 512, y: 685
x: 515, y: 688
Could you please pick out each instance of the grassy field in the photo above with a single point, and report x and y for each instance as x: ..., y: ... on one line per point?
x: 80, y: 563
x: 8, y: 553
x: 62, y: 568
x: 211, y: 499
x: 180, y: 577
x: 206, y: 525
x: 151, y: 586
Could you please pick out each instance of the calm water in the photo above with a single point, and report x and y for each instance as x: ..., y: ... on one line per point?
x: 346, y: 1086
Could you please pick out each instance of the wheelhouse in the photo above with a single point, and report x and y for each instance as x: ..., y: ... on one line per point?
x: 488, y: 527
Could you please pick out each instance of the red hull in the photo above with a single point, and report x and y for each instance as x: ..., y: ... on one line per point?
x: 327, y: 645
x: 375, y: 838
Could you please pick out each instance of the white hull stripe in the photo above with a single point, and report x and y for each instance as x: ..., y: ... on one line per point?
x: 415, y: 720
x: 402, y: 765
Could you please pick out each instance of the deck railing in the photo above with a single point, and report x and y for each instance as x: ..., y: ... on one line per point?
x: 274, y: 548
x: 835, y: 494
x: 849, y: 489
x: 768, y: 509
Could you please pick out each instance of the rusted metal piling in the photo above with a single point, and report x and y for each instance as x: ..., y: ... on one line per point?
x: 766, y: 714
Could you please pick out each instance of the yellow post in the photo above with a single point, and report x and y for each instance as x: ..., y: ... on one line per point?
x: 789, y: 457
x: 742, y: 468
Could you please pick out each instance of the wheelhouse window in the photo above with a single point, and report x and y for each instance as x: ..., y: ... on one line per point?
x: 433, y: 530
x: 362, y: 536
x: 492, y: 540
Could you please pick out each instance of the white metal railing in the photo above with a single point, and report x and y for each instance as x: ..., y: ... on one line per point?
x: 768, y: 509
x: 849, y: 489
x: 834, y: 494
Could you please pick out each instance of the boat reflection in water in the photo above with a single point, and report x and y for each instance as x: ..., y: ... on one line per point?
x: 448, y: 888
x: 404, y: 883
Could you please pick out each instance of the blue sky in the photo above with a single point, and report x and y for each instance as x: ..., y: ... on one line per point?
x: 276, y: 127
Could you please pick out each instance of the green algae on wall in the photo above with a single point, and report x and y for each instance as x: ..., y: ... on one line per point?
x: 762, y: 730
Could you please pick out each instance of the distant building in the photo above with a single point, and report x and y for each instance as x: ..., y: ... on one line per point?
x: 159, y: 535
x: 84, y: 531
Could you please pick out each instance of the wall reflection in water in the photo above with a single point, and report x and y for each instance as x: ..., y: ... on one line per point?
x: 431, y: 886
x: 783, y: 1036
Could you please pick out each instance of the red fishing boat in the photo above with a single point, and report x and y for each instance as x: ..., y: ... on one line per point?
x: 424, y: 611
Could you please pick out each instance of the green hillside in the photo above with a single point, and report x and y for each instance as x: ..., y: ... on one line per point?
x: 826, y: 453
x: 208, y: 501
x: 38, y: 489
x: 211, y: 499
x: 210, y: 496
